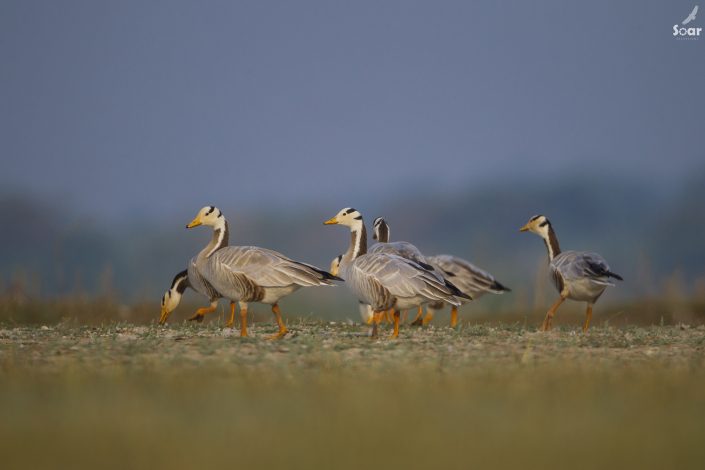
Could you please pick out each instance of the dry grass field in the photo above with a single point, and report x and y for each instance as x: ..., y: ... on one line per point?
x: 327, y: 396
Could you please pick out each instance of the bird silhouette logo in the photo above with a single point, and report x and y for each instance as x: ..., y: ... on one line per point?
x: 690, y: 17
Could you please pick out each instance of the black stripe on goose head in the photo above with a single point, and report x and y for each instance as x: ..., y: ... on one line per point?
x: 180, y: 282
x: 543, y: 223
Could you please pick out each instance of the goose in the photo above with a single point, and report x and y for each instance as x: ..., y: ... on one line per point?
x: 387, y: 281
x: 467, y: 277
x: 382, y: 234
x: 577, y: 275
x: 172, y: 298
x: 247, y: 274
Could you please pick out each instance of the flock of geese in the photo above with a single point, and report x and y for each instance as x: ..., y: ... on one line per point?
x: 389, y: 278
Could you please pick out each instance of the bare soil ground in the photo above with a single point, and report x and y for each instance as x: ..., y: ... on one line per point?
x: 327, y: 396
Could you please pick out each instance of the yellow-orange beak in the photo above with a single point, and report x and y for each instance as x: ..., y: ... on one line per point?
x: 194, y: 223
x: 164, y: 315
x: 331, y: 221
x: 525, y: 228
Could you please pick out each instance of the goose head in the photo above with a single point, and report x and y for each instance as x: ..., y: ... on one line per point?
x: 209, y: 215
x: 348, y: 217
x: 172, y: 297
x: 335, y: 265
x: 538, y: 224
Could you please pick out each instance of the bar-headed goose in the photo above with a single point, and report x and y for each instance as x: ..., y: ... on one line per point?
x: 172, y: 298
x: 467, y: 277
x: 382, y: 233
x: 386, y: 281
x: 246, y: 274
x: 577, y: 275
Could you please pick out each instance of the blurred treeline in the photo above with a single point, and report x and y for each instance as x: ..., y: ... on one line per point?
x: 655, y: 239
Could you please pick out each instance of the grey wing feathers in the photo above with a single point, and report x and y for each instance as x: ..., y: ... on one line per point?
x: 403, y: 249
x: 466, y: 276
x: 268, y: 268
x: 402, y: 277
x: 574, y: 265
x: 199, y: 283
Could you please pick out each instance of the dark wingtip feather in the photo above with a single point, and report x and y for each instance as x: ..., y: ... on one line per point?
x: 426, y: 266
x: 326, y: 275
x: 455, y: 291
x: 497, y: 286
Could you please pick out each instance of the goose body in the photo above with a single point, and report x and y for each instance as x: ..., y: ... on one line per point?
x: 382, y: 233
x: 577, y: 275
x: 387, y: 281
x: 198, y: 283
x: 582, y: 276
x: 254, y: 274
x: 364, y: 309
x: 466, y: 276
x: 246, y: 274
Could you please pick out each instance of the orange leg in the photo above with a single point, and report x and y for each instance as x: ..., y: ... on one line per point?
x: 547, y: 322
x: 418, y: 321
x: 243, y: 320
x: 588, y: 317
x: 201, y: 312
x: 395, y: 334
x: 453, y: 316
x: 282, y: 328
x: 231, y: 320
x: 376, y: 319
x: 429, y: 316
x: 404, y: 315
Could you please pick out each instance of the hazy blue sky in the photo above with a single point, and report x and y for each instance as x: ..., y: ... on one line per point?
x: 161, y: 105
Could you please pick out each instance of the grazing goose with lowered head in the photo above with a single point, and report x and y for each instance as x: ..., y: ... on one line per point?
x: 577, y: 275
x: 386, y: 281
x: 247, y: 274
x: 172, y: 297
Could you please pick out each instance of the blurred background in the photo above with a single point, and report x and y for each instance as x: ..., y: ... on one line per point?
x: 457, y: 121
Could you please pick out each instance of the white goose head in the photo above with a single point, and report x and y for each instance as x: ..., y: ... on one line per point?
x: 209, y: 215
x: 538, y: 224
x: 541, y: 226
x: 335, y: 265
x: 172, y: 297
x: 348, y: 217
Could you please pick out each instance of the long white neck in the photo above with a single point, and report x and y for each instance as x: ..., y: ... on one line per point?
x: 358, y: 242
x: 221, y: 236
x: 551, y: 241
